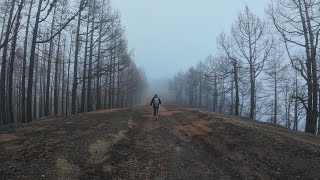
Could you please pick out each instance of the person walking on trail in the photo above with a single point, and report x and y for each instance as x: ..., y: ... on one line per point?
x: 156, y: 105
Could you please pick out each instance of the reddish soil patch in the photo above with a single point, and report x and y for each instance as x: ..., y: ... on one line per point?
x: 194, y: 128
x: 7, y: 137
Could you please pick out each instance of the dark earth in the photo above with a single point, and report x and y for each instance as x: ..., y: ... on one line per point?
x: 184, y: 143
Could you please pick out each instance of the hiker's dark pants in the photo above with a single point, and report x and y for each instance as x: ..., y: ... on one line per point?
x: 155, y: 111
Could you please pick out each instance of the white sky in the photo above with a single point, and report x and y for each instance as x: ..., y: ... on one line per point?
x: 173, y: 35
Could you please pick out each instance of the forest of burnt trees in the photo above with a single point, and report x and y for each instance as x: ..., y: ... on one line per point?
x: 62, y: 57
x: 264, y: 69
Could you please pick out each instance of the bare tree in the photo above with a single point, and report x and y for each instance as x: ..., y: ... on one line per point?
x: 253, y: 47
x: 84, y: 76
x: 276, y: 71
x: 298, y: 23
x: 75, y: 69
x: 225, y: 44
x: 12, y: 58
x: 47, y: 107
x: 4, y: 66
x: 23, y: 81
x: 32, y: 57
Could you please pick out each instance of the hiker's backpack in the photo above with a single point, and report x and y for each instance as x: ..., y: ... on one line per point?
x: 156, y: 102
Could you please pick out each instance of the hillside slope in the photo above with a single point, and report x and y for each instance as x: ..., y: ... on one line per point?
x: 129, y: 144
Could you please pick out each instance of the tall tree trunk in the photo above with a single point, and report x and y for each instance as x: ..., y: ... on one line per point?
x: 35, y: 87
x: 63, y: 77
x: 314, y: 94
x: 110, y: 69
x: 118, y: 85
x: 232, y: 99
x: 4, y: 67
x: 89, y: 96
x: 68, y: 80
x: 288, y: 114
x: 18, y: 105
x: 113, y: 80
x: 18, y: 89
x: 275, y: 100
x: 252, y: 93
x: 312, y: 56
x: 106, y: 92
x: 1, y: 37
x: 48, y: 102
x: 215, y: 94
x: 44, y: 84
x: 51, y: 97
x: 12, y: 56
x: 222, y: 99
x: 295, y: 121
x: 31, y: 67
x: 75, y: 67
x: 59, y: 86
x: 23, y: 88
x: 236, y: 83
x: 309, y: 116
x: 56, y: 88
x: 310, y: 127
x: 121, y: 95
x: 98, y: 90
x: 207, y: 94
x: 41, y: 83
x: 84, y: 78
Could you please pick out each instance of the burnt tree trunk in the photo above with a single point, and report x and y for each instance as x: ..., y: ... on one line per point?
x: 47, y: 107
x: 35, y: 86
x: 84, y: 77
x: 4, y: 67
x: 23, y: 85
x: 75, y: 67
x: 31, y: 67
x: 56, y: 88
x: 63, y: 77
x: 89, y: 96
x: 12, y: 57
x: 98, y: 90
x: 68, y: 80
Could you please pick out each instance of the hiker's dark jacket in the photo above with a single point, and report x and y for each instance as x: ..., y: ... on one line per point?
x: 152, y: 102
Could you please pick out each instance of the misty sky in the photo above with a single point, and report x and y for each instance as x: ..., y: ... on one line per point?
x: 173, y: 35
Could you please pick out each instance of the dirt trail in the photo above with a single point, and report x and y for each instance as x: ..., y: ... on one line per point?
x: 129, y: 144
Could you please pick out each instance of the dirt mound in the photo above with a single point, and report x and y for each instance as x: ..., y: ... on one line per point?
x: 129, y: 144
